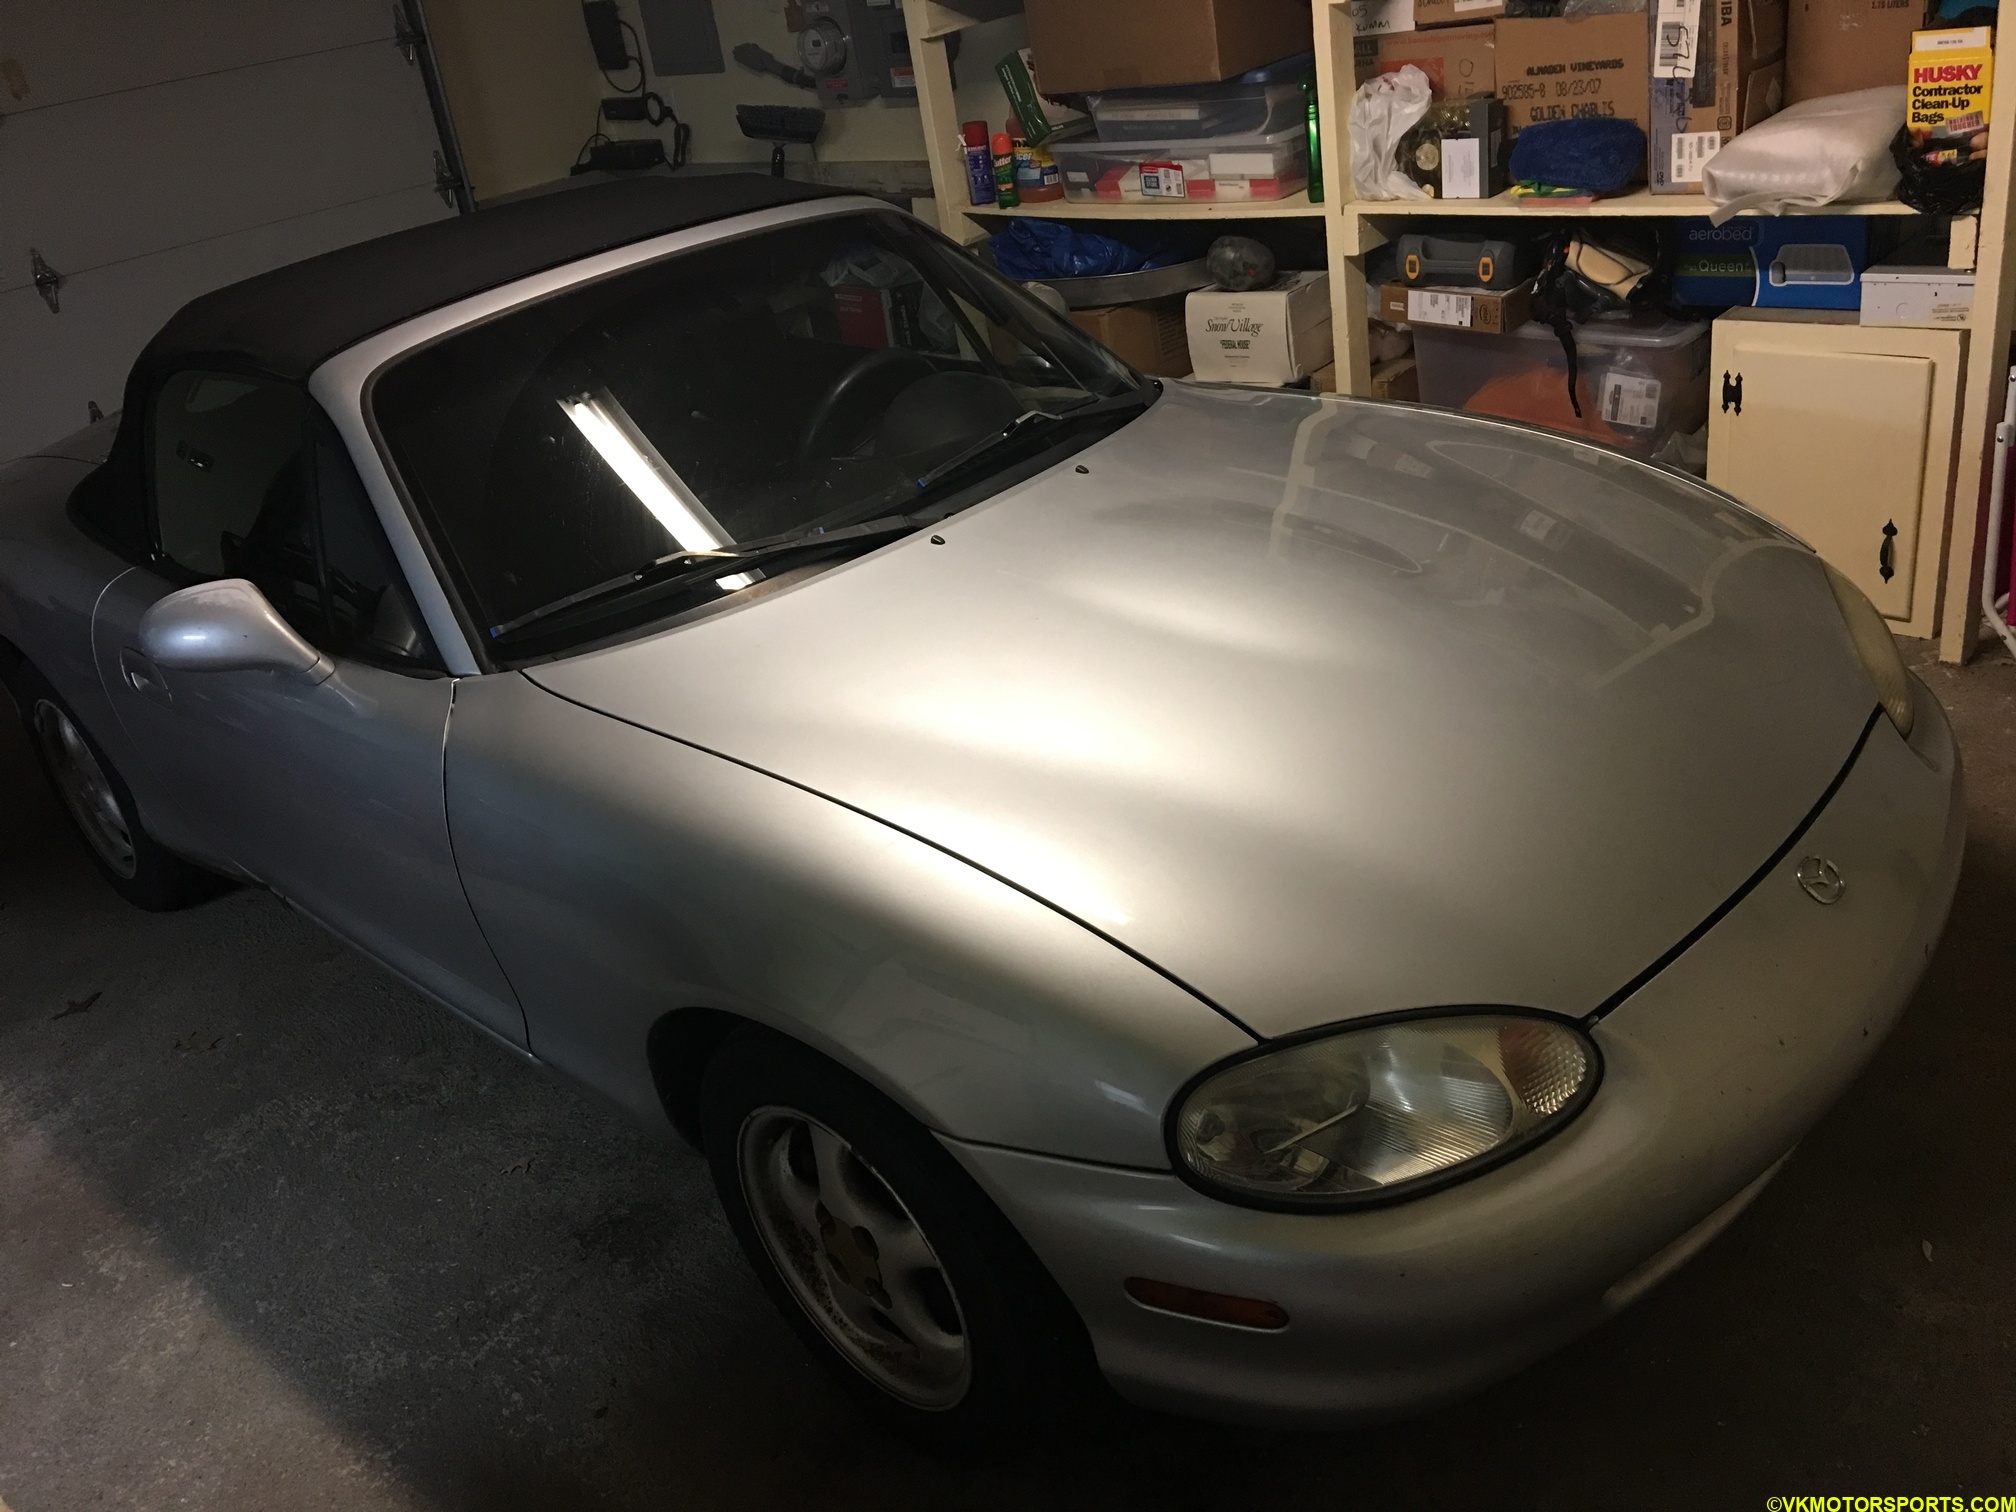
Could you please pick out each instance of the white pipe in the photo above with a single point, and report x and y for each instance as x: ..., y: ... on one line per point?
x: 1997, y: 608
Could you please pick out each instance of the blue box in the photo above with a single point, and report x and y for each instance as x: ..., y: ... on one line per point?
x: 1793, y: 262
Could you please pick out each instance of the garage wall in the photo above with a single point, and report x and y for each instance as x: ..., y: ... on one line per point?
x: 874, y: 132
x: 151, y: 151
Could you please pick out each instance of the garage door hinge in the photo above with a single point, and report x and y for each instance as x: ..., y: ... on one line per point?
x: 48, y: 282
x: 445, y: 183
x: 406, y: 36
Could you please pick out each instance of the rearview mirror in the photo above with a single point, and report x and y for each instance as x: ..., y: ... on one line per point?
x: 227, y: 626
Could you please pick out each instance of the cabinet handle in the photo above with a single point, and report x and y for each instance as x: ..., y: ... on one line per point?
x: 1732, y: 393
x: 1886, y: 554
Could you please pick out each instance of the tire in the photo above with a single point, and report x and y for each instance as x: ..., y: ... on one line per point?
x: 100, y: 806
x: 996, y: 1352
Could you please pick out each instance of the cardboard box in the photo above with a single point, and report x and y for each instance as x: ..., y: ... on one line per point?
x: 1460, y: 61
x: 1796, y: 262
x: 1952, y: 76
x: 1084, y: 45
x: 1833, y: 46
x: 1378, y: 18
x: 1397, y: 379
x: 1149, y: 336
x: 1559, y: 68
x: 1494, y: 314
x: 1268, y: 337
x: 1724, y: 67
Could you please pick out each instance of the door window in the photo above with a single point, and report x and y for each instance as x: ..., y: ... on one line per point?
x: 251, y: 481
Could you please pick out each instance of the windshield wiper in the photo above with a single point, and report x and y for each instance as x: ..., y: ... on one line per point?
x: 700, y: 566
x: 1020, y: 426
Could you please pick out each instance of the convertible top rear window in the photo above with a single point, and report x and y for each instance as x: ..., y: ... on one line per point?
x: 798, y: 380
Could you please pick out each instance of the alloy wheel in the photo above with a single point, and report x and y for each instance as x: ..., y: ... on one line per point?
x: 86, y: 791
x: 855, y: 1259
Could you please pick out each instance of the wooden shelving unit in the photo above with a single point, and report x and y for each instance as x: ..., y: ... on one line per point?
x: 1354, y: 228
x: 1259, y: 209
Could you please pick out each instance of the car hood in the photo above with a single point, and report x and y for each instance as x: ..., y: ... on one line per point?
x: 1327, y: 708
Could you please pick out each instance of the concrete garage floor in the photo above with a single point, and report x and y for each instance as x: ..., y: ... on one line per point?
x: 276, y: 1234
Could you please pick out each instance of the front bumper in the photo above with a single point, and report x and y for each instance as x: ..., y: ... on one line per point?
x: 1713, y: 1071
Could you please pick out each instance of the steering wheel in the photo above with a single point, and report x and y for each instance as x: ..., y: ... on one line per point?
x: 895, y: 367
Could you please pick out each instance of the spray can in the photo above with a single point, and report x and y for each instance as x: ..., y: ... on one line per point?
x: 979, y: 162
x: 1004, y: 171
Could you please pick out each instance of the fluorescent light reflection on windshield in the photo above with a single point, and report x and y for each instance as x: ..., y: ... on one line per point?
x: 607, y: 427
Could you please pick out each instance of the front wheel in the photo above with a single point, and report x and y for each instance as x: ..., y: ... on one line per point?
x: 887, y: 1259
x: 101, y: 806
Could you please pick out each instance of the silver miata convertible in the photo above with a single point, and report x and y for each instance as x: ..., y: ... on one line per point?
x: 1288, y: 906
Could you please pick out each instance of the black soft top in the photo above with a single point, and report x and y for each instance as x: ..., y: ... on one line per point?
x: 286, y: 323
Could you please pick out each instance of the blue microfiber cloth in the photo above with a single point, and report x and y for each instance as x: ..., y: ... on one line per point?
x: 1036, y: 249
x: 1593, y: 153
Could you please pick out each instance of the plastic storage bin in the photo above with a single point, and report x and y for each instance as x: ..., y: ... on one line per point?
x: 1197, y: 110
x: 1267, y: 167
x: 1640, y: 379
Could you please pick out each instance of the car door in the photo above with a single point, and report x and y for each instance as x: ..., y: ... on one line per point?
x: 332, y: 794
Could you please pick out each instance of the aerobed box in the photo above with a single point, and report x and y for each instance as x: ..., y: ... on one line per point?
x: 1270, y: 336
x: 1795, y: 262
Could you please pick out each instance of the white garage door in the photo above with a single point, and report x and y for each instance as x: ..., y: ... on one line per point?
x: 151, y: 151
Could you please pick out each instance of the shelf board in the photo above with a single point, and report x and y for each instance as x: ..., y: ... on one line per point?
x: 1294, y: 204
x: 1640, y: 202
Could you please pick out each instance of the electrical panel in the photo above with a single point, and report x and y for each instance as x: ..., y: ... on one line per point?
x: 854, y: 50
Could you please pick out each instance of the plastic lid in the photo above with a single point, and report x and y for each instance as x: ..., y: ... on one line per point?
x: 1637, y: 331
x: 1003, y: 144
x: 1187, y: 147
x: 974, y: 133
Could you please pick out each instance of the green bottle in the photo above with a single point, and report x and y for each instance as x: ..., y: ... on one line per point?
x: 1315, y: 141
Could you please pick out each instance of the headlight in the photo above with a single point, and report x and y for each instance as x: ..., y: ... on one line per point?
x: 1878, y: 649
x: 1392, y: 1110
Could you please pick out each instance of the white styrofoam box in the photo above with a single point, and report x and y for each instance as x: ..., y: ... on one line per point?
x: 1269, y: 337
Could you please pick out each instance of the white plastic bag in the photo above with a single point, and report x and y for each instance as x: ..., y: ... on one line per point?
x: 1817, y: 152
x: 1382, y: 112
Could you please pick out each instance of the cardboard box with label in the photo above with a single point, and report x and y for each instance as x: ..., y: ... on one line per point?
x: 1796, y: 262
x: 1718, y: 68
x: 1379, y: 18
x: 1492, y: 313
x: 1149, y: 336
x: 1833, y: 46
x: 1952, y: 76
x: 1089, y: 45
x: 1268, y: 337
x: 1561, y: 68
x: 1460, y: 61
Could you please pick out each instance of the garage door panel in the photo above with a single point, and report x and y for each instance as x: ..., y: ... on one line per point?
x: 80, y: 49
x: 209, y: 156
x: 55, y: 363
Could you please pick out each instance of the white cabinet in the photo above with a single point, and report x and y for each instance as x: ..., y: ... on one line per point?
x: 1845, y: 435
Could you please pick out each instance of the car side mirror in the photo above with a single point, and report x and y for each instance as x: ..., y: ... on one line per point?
x: 227, y: 626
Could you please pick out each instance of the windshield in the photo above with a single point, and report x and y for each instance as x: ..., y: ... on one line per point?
x: 794, y: 381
